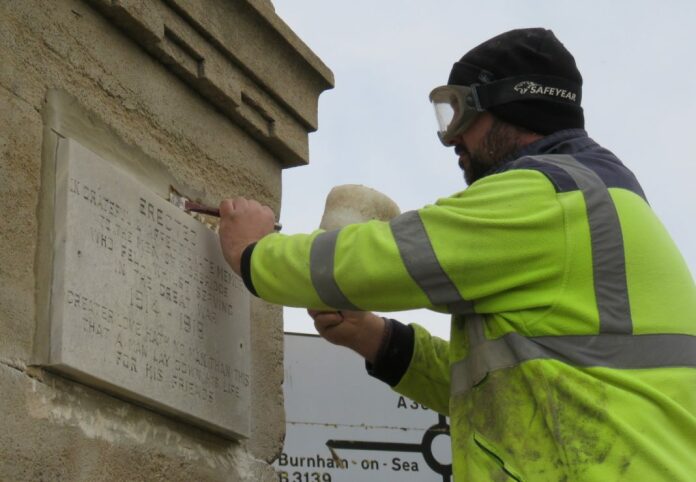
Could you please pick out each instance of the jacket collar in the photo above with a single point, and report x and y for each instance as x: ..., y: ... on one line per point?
x: 567, y: 140
x: 548, y: 144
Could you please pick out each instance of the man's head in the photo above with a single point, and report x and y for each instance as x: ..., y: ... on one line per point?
x: 505, y: 93
x: 487, y: 144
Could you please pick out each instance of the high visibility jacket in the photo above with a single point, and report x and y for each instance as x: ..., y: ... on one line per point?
x: 572, y: 354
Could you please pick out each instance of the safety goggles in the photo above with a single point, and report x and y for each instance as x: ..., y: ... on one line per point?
x: 456, y: 107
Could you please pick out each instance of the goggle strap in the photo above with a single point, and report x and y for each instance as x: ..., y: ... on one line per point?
x: 528, y: 87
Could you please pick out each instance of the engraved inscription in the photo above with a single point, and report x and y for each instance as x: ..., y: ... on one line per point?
x: 143, y: 300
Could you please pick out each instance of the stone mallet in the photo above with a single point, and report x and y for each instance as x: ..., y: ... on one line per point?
x: 354, y: 203
x: 350, y: 204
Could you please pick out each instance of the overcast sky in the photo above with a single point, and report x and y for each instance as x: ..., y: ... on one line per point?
x: 377, y: 128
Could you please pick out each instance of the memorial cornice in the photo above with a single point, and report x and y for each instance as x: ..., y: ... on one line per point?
x: 269, y: 85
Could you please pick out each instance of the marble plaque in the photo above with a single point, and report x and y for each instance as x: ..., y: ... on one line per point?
x: 143, y: 305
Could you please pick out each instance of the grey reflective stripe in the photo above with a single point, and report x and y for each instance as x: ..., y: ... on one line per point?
x: 421, y: 263
x: 608, y: 260
x: 474, y: 325
x: 615, y: 346
x: 321, y: 268
x: 462, y: 307
x: 605, y: 350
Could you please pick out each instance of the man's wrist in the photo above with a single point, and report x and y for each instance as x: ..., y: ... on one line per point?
x: 384, y: 342
x: 371, y: 339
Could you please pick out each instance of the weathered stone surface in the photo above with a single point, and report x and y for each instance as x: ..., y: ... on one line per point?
x: 54, y: 430
x: 20, y: 164
x: 266, y: 363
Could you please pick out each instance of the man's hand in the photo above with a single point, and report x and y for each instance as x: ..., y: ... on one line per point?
x: 360, y: 331
x: 242, y: 222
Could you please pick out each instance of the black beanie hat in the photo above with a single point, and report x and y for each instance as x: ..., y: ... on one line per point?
x: 529, y: 51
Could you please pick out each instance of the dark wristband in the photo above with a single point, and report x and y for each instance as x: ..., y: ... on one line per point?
x: 395, y: 353
x: 245, y: 267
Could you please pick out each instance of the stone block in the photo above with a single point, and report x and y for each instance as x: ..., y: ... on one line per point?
x: 213, y: 97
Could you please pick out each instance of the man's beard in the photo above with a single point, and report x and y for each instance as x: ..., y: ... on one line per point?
x: 497, y: 147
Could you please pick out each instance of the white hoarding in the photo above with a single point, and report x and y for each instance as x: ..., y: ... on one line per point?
x: 345, y: 426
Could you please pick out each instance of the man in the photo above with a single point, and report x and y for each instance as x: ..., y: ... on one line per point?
x: 573, y: 340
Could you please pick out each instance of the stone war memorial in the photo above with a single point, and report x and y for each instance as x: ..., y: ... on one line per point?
x: 129, y: 350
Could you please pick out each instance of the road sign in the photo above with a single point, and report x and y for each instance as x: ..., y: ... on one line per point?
x: 345, y: 426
